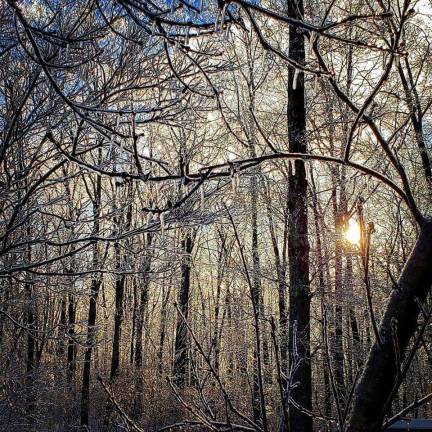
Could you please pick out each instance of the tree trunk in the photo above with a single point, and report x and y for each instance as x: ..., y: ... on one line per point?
x: 163, y: 325
x: 134, y: 324
x: 356, y: 353
x: 280, y: 263
x: 380, y: 375
x: 298, y: 252
x: 144, y: 295
x: 91, y: 319
x: 338, y: 350
x: 31, y: 344
x: 71, y: 346
x: 118, y: 317
x: 119, y: 290
x: 90, y: 340
x: 181, y: 338
x: 258, y: 297
x: 318, y: 224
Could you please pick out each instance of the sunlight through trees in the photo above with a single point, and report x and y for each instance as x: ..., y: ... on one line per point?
x: 215, y: 215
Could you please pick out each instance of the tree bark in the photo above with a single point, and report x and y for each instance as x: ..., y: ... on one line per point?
x: 31, y: 343
x: 119, y: 295
x: 380, y: 374
x: 91, y: 333
x: 298, y: 251
x: 118, y: 317
x: 144, y: 295
x: 258, y: 297
x: 181, y: 338
x: 337, y: 348
x: 71, y: 346
x: 319, y: 233
x: 280, y: 264
x: 163, y: 325
x: 91, y: 319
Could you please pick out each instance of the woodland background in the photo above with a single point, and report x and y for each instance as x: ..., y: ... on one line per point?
x: 215, y: 215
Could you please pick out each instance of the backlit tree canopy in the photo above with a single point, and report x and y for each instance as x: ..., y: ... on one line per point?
x: 215, y: 215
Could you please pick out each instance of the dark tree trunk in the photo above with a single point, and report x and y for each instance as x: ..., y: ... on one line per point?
x: 163, y: 324
x: 318, y: 223
x: 119, y: 295
x: 181, y: 339
x: 280, y: 264
x: 356, y: 353
x: 299, y: 295
x: 91, y: 319
x: 71, y: 301
x: 380, y: 375
x: 144, y: 296
x: 134, y: 315
x: 115, y: 356
x: 217, y: 331
x: 31, y: 345
x: 90, y: 340
x: 257, y: 292
x: 31, y: 341
x: 4, y: 301
x: 257, y: 298
x: 118, y: 317
x: 71, y: 346
x: 338, y: 350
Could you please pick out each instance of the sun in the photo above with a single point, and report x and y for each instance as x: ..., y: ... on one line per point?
x: 353, y: 233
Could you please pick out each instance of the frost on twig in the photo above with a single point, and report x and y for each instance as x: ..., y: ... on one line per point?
x: 296, y: 73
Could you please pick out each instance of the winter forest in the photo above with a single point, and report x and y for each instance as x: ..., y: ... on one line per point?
x: 215, y: 215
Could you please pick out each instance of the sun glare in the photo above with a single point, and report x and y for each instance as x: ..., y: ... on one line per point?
x: 352, y: 234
